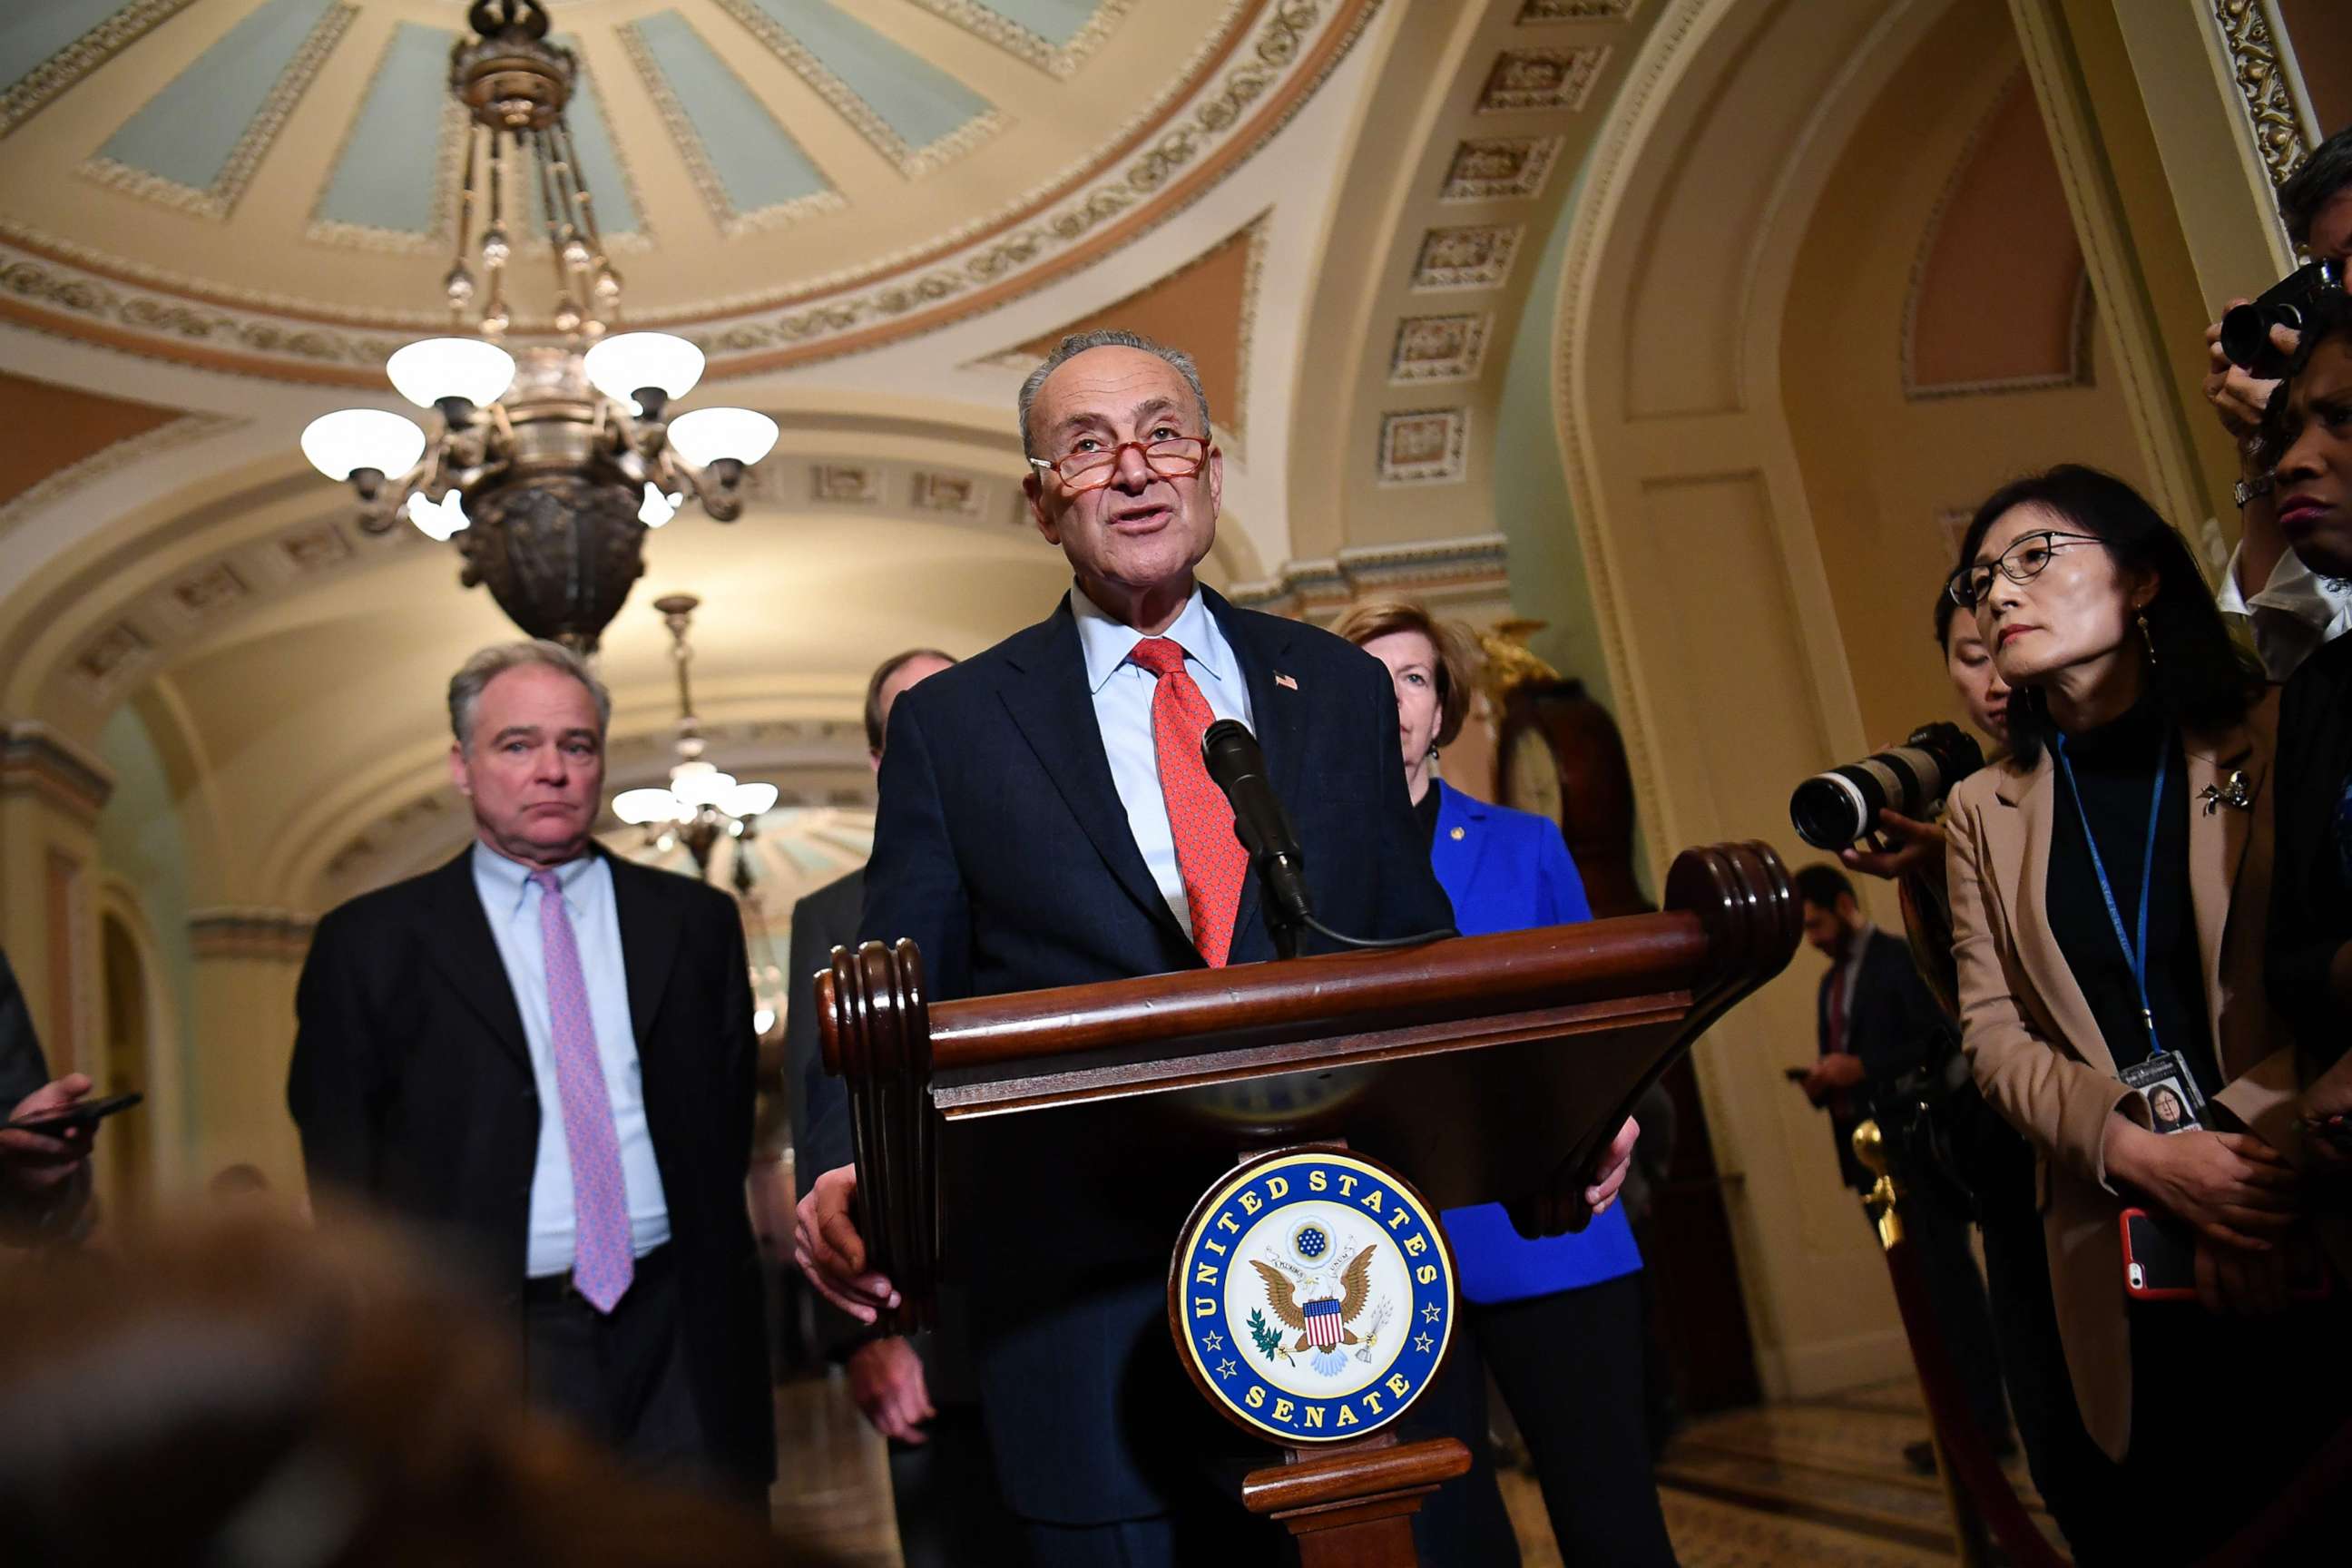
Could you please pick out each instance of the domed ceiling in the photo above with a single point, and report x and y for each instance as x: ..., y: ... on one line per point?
x: 269, y: 185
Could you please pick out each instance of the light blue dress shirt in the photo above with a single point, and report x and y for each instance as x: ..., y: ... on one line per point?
x: 511, y: 898
x: 1122, y: 694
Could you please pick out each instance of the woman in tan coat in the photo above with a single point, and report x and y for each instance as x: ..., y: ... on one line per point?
x: 2109, y: 884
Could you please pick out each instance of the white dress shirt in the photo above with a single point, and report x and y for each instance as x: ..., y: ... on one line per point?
x: 1122, y: 694
x: 2295, y: 612
x: 511, y: 898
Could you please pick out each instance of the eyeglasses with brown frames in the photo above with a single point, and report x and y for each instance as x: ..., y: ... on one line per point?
x: 1174, y: 458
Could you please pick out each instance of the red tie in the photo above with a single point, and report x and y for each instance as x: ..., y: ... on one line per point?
x: 1199, y: 816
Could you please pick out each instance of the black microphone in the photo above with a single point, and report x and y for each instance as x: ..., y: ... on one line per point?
x: 1234, y: 761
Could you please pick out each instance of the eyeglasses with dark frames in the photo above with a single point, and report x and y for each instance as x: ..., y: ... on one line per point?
x: 1172, y: 457
x: 2022, y: 561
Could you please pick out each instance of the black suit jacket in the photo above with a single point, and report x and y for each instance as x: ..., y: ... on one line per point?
x: 1002, y: 848
x: 2311, y: 906
x: 1895, y: 1026
x: 412, y: 1088
x: 22, y: 1070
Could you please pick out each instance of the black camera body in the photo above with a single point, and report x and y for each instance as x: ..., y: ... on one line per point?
x: 2246, y: 329
x: 1841, y: 806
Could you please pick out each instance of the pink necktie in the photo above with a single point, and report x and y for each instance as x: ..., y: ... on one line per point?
x: 1200, y: 818
x: 602, y: 1264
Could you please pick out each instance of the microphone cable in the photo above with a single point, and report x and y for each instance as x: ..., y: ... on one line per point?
x: 1421, y: 939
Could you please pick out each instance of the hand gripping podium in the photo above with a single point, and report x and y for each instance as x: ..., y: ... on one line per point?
x: 1311, y: 1293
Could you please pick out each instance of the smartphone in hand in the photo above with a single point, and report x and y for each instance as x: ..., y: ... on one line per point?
x: 81, y: 1113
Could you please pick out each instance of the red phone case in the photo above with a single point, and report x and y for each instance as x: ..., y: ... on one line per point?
x: 2161, y: 1264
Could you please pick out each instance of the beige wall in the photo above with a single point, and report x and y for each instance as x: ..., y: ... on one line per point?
x: 1885, y: 461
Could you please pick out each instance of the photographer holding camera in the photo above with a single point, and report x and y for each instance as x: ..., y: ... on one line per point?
x: 2291, y: 609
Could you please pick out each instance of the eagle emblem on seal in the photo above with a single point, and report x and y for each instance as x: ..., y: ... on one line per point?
x: 1322, y: 1320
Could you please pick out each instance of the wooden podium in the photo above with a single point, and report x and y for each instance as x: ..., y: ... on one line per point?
x: 1493, y: 1067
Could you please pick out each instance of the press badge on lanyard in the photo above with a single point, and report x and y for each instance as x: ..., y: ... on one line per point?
x: 2164, y: 1080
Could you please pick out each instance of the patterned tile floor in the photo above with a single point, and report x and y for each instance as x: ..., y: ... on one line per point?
x: 1821, y: 1482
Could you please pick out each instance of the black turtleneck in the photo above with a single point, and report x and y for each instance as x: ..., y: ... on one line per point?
x: 2115, y: 768
x: 1424, y: 810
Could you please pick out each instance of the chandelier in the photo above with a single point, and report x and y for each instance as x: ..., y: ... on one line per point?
x: 701, y: 804
x: 547, y: 463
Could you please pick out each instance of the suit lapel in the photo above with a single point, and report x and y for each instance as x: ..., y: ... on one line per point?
x: 2017, y: 834
x: 468, y: 955
x: 1460, y: 846
x: 2218, y: 837
x: 1276, y: 715
x: 649, y: 939
x: 1049, y: 700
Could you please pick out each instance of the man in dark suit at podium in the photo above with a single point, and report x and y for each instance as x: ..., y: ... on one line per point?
x: 1045, y: 820
x: 544, y: 1054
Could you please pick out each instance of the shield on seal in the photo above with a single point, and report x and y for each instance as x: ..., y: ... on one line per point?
x: 1323, y: 1322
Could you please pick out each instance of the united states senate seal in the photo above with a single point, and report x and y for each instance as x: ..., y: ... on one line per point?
x: 1312, y: 1295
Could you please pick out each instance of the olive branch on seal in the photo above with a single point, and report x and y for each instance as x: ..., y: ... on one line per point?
x: 1269, y: 1343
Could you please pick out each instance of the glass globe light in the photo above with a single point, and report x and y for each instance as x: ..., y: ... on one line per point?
x: 341, y: 444
x: 639, y: 806
x: 431, y: 369
x: 748, y: 800
x: 627, y: 363
x: 706, y: 435
x: 699, y: 784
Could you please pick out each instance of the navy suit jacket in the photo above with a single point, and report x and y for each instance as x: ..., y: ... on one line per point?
x: 1002, y: 850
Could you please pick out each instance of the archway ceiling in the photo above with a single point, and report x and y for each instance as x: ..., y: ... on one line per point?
x: 269, y: 184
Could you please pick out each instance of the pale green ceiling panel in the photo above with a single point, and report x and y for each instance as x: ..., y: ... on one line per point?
x: 897, y: 99
x: 744, y: 162
x: 386, y: 174
x: 208, y: 128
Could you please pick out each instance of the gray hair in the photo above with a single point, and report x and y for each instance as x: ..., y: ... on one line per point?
x: 465, y: 686
x: 1076, y: 343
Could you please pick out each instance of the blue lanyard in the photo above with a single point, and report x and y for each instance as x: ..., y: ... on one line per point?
x: 2134, y: 954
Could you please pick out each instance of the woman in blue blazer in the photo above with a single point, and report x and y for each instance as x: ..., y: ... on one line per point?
x: 1557, y: 1320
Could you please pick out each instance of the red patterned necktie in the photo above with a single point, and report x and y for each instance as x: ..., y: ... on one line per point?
x: 1199, y: 816
x: 602, y: 1261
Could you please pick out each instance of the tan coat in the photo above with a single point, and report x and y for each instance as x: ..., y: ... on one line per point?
x: 2037, y: 1051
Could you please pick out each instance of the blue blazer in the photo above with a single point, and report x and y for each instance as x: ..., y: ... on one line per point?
x: 1508, y: 870
x: 1001, y: 847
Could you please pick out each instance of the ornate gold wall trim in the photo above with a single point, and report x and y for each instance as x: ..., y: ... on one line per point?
x: 54, y: 77
x: 38, y: 761
x: 2268, y: 90
x: 218, y: 199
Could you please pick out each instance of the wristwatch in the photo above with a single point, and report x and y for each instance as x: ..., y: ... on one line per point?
x: 2247, y: 489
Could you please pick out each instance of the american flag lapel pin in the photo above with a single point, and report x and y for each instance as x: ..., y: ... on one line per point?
x: 1281, y: 680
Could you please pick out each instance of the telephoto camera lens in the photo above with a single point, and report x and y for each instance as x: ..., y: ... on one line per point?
x: 1841, y: 806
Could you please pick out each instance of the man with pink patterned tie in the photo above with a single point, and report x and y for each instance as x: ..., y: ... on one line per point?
x: 545, y: 1054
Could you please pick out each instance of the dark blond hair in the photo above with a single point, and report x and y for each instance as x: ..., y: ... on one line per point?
x: 1457, y: 654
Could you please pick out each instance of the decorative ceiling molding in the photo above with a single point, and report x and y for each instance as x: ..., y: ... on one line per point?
x: 1535, y: 12
x: 1056, y: 60
x: 1432, y: 570
x: 1500, y: 168
x: 185, y: 431
x: 45, y: 82
x: 1474, y: 257
x: 1423, y: 446
x: 1241, y: 89
x: 366, y: 129
x: 1439, y: 348
x: 1541, y: 78
x: 276, y: 936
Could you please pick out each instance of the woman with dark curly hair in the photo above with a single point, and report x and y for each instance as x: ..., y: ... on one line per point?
x: 2110, y: 886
